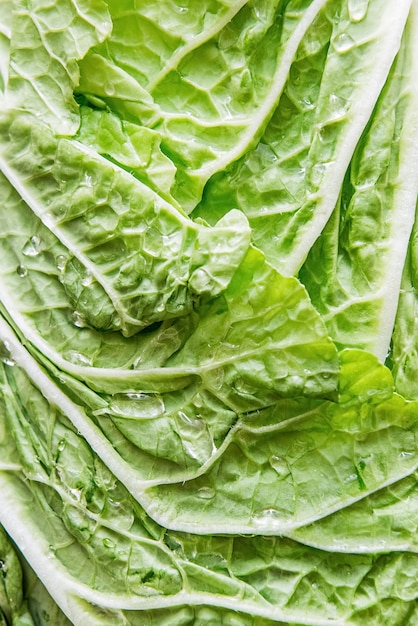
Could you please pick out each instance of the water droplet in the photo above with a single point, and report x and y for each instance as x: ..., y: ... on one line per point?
x: 6, y: 355
x: 108, y: 543
x: 243, y: 387
x: 78, y: 320
x: 280, y: 466
x: 180, y: 9
x: 109, y: 89
x: 206, y: 493
x: 190, y: 424
x: 406, y: 455
x: 227, y: 345
x: 61, y: 445
x: 357, y: 9
x: 215, y: 378
x: 61, y: 261
x: 351, y: 478
x: 337, y: 108
x: 343, y: 43
x: 318, y: 172
x: 227, y: 38
x: 32, y: 247
x: 87, y: 279
x: 268, y: 519
x: 21, y: 271
x: 78, y: 358
x: 306, y: 104
x: 168, y: 335
x: 137, y: 405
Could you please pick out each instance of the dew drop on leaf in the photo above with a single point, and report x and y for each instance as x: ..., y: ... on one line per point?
x: 189, y: 424
x: 61, y: 262
x: 337, y: 107
x: 268, y: 518
x: 87, y: 279
x: 343, y: 42
x: 109, y: 89
x: 5, y: 354
x: 21, y: 271
x: 140, y: 405
x: 32, y: 247
x: 357, y: 9
x: 78, y: 358
x: 180, y: 9
x: 206, y: 493
x: 78, y: 320
x: 280, y: 466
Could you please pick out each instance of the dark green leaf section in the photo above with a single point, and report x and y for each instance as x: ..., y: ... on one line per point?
x: 13, y: 607
x: 404, y: 354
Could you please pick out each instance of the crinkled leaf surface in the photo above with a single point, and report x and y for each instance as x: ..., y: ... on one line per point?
x: 105, y: 551
x: 349, y: 275
x: 200, y: 204
x: 404, y: 354
x: 289, y: 183
x: 129, y: 259
x: 13, y: 607
x: 46, y: 40
x: 206, y: 76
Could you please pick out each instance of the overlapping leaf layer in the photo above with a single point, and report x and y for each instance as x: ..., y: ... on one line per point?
x: 208, y: 336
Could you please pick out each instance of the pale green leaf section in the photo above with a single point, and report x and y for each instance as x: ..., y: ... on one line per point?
x: 353, y: 273
x: 180, y: 440
x: 135, y: 148
x: 289, y: 183
x: 384, y: 521
x: 404, y: 349
x: 299, y: 461
x: 128, y: 258
x: 47, y: 40
x: 104, y: 560
x: 207, y: 77
x: 171, y: 394
x: 6, y: 8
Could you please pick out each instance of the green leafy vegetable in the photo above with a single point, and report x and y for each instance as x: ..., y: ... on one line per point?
x: 208, y: 312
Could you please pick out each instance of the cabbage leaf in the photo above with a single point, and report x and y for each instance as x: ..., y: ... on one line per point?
x: 208, y: 312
